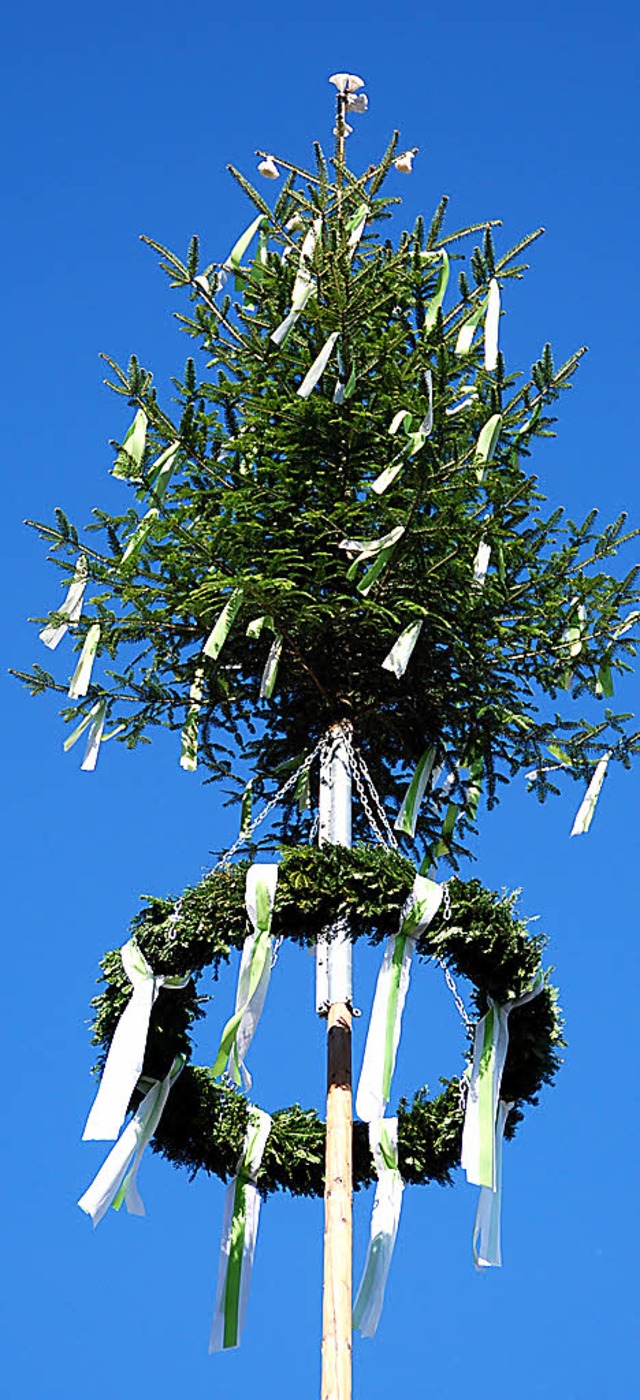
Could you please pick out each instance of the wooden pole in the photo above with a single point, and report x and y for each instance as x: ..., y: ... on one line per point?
x: 334, y: 1001
x: 337, y: 1292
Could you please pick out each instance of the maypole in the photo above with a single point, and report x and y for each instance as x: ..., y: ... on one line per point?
x: 340, y: 521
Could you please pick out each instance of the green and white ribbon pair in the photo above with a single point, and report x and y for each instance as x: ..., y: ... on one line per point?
x: 304, y: 283
x: 126, y: 1053
x: 385, y: 1217
x: 487, y: 1248
x: 407, y: 817
x: 383, y: 1035
x: 94, y: 721
x: 490, y: 1045
x: 491, y: 306
x: 239, y: 1234
x: 484, y: 1123
x: 189, y: 736
x: 81, y: 678
x: 117, y: 1179
x: 254, y: 975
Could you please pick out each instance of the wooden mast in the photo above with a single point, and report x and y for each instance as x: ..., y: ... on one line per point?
x: 334, y: 998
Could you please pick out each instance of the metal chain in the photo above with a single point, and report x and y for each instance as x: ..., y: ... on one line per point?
x: 268, y: 808
x: 448, y: 975
x: 391, y: 836
x: 362, y: 776
x: 247, y: 832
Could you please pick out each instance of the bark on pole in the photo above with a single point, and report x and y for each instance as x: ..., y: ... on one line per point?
x: 334, y: 999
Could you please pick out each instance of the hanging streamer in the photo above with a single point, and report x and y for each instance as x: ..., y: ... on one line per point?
x: 437, y: 299
x: 222, y: 626
x: 81, y: 678
x: 239, y: 1234
x: 385, y: 1217
x: 383, y: 1035
x: 402, y: 650
x: 381, y: 551
x: 159, y: 474
x: 270, y: 673
x: 117, y: 1179
x: 94, y: 722
x: 481, y: 563
x: 139, y: 536
x: 126, y: 1053
x: 234, y: 260
x: 490, y: 1045
x: 257, y: 625
x: 355, y: 228
x: 584, y: 814
x: 303, y: 286
x: 71, y: 608
x: 426, y: 426
x: 189, y: 736
x: 491, y: 324
x: 129, y: 459
x: 469, y: 328
x: 253, y: 978
x: 368, y: 549
x: 318, y: 367
x: 486, y: 1242
x: 407, y: 817
x: 385, y: 478
x: 398, y: 419
x: 486, y: 444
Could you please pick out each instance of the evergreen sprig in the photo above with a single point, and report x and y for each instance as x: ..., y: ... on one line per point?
x: 485, y: 941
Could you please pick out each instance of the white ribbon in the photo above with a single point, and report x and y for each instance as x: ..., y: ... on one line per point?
x: 402, y: 650
x: 490, y: 1045
x: 71, y: 608
x: 584, y: 814
x: 222, y: 626
x: 189, y: 736
x: 491, y: 324
x: 254, y: 975
x: 81, y: 678
x: 117, y: 1179
x: 239, y: 1234
x: 269, y: 675
x: 383, y: 1035
x: 126, y: 1052
x: 318, y: 367
x: 385, y: 1217
x: 487, y: 1252
x: 481, y: 563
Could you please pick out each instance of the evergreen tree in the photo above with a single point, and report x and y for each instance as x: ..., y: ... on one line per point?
x: 347, y: 458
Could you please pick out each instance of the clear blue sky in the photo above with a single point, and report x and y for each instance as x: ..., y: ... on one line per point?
x: 118, y: 121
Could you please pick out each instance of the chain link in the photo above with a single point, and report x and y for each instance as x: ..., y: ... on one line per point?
x: 448, y: 975
x: 363, y: 780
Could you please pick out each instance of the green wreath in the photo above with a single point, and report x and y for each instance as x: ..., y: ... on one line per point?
x: 204, y: 1121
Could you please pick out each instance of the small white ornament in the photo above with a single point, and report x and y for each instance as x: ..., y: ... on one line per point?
x: 404, y: 163
x: 269, y: 169
x: 357, y: 102
x: 346, y: 82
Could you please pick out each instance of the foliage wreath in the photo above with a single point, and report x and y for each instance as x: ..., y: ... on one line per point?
x: 204, y: 1121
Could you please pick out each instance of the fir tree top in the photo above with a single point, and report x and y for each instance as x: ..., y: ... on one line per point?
x: 348, y: 459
